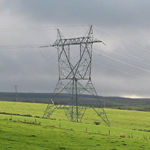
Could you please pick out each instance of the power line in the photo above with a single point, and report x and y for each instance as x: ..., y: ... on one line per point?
x: 124, y: 40
x: 130, y: 55
x: 24, y: 46
x: 32, y: 28
x: 124, y: 62
x: 123, y: 71
x: 47, y: 58
x: 137, y: 60
x: 40, y: 28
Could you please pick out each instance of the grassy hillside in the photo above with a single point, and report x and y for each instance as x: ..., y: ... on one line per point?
x: 130, y: 129
x: 121, y: 118
x: 18, y: 135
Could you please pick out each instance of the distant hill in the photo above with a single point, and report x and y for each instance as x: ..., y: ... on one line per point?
x: 118, y: 102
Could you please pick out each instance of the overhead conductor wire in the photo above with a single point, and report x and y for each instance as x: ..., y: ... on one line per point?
x: 123, y: 62
x: 45, y: 57
x: 102, y: 53
x: 124, y: 40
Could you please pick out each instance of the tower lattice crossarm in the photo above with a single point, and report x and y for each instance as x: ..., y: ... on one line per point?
x: 75, y: 41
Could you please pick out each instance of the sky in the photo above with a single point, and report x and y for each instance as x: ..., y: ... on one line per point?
x: 121, y: 68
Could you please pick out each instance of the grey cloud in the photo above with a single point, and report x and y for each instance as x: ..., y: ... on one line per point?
x: 107, y: 13
x: 123, y: 26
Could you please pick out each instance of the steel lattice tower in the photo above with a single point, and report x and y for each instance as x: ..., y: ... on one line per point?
x: 75, y: 77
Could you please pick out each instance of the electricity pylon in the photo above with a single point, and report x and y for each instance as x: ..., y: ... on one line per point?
x: 16, y: 92
x: 75, y: 77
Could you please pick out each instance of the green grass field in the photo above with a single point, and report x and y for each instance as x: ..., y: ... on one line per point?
x: 130, y: 130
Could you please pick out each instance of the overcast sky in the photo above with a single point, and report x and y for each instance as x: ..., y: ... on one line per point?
x: 123, y: 68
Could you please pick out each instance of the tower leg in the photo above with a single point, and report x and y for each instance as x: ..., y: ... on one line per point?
x: 74, y: 110
x: 51, y: 106
x: 97, y: 106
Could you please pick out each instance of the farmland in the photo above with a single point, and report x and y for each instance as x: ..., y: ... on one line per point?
x: 22, y: 126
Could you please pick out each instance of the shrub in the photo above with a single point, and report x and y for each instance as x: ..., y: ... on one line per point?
x: 97, y: 123
x: 122, y: 135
